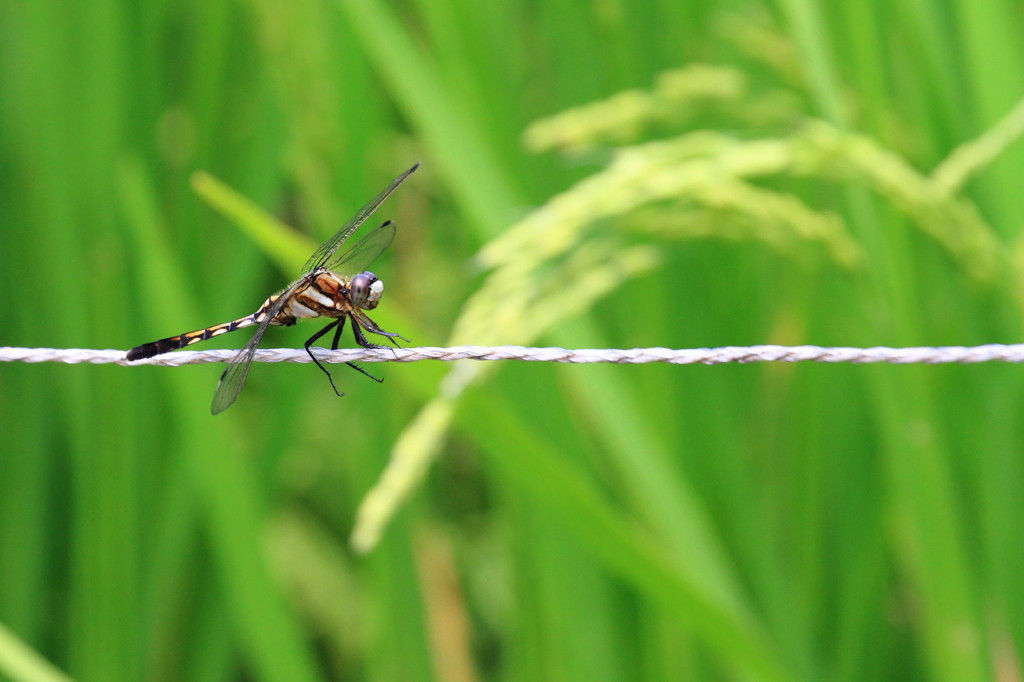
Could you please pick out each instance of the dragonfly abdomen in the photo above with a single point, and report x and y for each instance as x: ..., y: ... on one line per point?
x: 148, y: 350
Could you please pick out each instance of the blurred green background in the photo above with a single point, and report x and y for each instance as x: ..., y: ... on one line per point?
x: 603, y: 174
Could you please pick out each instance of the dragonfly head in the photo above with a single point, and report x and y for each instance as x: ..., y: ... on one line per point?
x: 365, y: 290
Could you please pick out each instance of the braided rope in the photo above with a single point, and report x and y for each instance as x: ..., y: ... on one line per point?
x: 706, y: 356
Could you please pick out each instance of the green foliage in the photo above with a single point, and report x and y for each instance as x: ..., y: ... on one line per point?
x: 595, y: 175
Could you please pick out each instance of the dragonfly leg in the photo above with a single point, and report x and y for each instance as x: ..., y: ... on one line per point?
x: 357, y: 332
x: 312, y: 339
x: 337, y: 340
x: 372, y: 327
x: 364, y: 372
x: 337, y: 333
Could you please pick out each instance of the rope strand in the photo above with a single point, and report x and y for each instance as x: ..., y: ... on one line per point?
x: 706, y: 356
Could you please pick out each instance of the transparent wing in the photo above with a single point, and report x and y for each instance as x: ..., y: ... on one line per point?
x: 366, y: 250
x: 327, y: 249
x: 233, y: 377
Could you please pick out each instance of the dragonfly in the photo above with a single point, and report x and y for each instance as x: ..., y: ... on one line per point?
x: 337, y: 287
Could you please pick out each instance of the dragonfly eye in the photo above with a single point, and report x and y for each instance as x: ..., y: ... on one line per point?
x: 365, y: 290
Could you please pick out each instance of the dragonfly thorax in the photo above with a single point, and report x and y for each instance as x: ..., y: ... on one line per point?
x: 365, y: 290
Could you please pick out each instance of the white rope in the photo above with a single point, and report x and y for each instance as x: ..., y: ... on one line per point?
x: 706, y: 356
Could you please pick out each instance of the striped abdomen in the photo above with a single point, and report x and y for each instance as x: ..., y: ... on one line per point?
x: 148, y: 350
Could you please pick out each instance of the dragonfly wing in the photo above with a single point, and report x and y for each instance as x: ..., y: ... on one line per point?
x: 366, y: 250
x: 233, y: 377
x: 327, y: 249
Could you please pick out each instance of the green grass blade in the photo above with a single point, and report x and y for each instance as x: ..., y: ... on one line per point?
x: 22, y: 664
